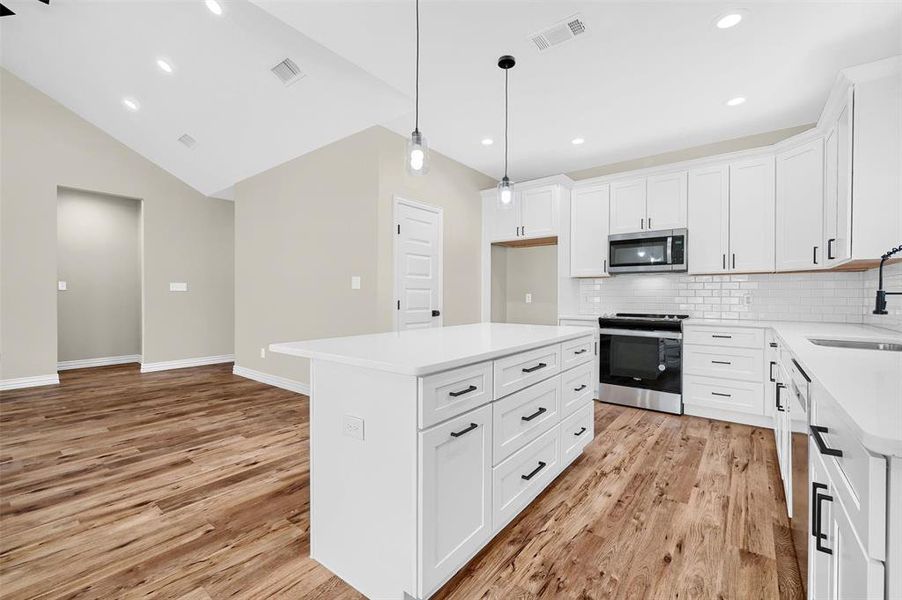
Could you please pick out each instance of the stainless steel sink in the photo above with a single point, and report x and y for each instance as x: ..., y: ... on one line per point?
x: 858, y: 344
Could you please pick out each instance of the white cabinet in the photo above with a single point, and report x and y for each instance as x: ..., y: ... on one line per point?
x: 589, y: 229
x: 533, y: 213
x: 837, y: 242
x: 752, y: 215
x: 455, y: 494
x: 502, y: 222
x: 667, y: 201
x: 800, y: 200
x: 709, y: 219
x: 628, y: 205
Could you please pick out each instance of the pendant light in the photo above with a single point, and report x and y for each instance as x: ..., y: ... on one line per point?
x: 505, y: 187
x: 417, y: 156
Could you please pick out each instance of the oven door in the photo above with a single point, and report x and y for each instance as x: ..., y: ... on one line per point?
x: 649, y: 360
x: 641, y: 252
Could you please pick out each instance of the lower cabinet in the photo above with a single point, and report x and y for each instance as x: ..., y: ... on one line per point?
x: 577, y: 431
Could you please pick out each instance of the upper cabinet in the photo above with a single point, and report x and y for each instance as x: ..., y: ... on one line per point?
x: 709, y: 219
x: 589, y: 230
x: 649, y: 203
x: 533, y: 213
x: 837, y: 240
x: 800, y: 205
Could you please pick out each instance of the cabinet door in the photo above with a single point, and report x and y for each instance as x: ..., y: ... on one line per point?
x: 820, y: 564
x: 589, y: 231
x: 856, y: 575
x: 667, y: 201
x: 628, y: 206
x: 830, y: 194
x: 752, y: 215
x: 455, y: 495
x: 709, y: 214
x: 841, y: 249
x: 800, y: 205
x: 502, y: 223
x: 539, y: 212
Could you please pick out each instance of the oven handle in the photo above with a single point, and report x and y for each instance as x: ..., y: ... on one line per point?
x: 667, y: 335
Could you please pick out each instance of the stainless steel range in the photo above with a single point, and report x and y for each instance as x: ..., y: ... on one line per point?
x: 640, y: 360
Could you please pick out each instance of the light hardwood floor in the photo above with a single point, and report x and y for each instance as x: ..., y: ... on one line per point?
x: 194, y: 484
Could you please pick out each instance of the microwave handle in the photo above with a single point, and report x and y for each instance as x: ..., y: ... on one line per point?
x: 669, y: 250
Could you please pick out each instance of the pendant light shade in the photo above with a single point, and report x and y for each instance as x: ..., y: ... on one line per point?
x: 505, y: 187
x: 416, y: 158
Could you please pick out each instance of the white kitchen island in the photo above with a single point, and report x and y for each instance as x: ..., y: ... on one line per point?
x: 425, y: 443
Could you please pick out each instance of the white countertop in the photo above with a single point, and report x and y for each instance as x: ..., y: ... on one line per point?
x: 423, y: 351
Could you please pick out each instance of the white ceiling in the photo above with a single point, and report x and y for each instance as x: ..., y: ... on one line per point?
x: 647, y: 78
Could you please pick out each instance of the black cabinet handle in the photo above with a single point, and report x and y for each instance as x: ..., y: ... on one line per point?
x: 780, y: 386
x: 771, y: 376
x: 801, y: 371
x: 815, y: 517
x: 773, y: 344
x: 472, y: 388
x: 814, y: 255
x: 583, y: 351
x: 541, y: 410
x: 721, y: 394
x: 580, y: 388
x: 816, y: 433
x: 723, y: 261
x: 722, y: 337
x: 721, y: 362
x: 734, y: 260
x: 642, y: 223
x: 535, y: 368
x: 821, y: 536
x: 541, y: 466
x: 463, y: 431
x: 830, y: 249
x: 580, y: 432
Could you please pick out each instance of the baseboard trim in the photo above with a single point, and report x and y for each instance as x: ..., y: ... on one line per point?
x: 27, y: 382
x: 285, y: 383
x: 103, y: 361
x: 728, y: 416
x: 186, y: 362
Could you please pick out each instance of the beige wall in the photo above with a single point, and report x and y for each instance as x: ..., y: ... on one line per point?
x: 529, y: 271
x: 304, y: 228
x: 99, y: 258
x: 187, y: 236
x: 499, y: 284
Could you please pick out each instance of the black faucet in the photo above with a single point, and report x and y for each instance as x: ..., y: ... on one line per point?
x: 880, y: 308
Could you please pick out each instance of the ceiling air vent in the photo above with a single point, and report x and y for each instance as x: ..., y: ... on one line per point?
x: 288, y: 72
x: 559, y: 33
x: 188, y: 141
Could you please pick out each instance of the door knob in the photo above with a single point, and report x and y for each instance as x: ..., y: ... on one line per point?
x: 436, y: 313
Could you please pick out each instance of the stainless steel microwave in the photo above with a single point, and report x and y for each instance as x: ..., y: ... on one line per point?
x: 648, y: 251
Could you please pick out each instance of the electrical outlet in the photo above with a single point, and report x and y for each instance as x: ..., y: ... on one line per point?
x: 352, y: 427
x: 62, y: 286
x: 748, y: 300
x: 262, y: 352
x: 529, y: 298
x: 355, y: 282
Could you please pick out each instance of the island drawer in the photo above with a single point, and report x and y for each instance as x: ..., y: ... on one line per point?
x: 730, y: 363
x: 734, y: 337
x: 577, y: 387
x: 723, y: 394
x: 576, y: 352
x: 859, y: 477
x: 520, y: 478
x: 448, y: 394
x: 522, y: 417
x: 577, y: 431
x: 515, y: 372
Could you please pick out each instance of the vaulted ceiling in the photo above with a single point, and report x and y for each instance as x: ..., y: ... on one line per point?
x: 645, y: 78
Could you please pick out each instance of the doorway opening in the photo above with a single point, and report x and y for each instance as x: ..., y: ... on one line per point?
x: 99, y: 267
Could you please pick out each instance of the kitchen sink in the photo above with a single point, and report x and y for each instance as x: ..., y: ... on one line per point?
x: 858, y: 344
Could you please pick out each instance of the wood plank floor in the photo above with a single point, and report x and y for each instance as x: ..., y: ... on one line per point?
x: 193, y: 484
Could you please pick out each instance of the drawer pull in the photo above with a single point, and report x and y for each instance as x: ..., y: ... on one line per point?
x: 463, y: 431
x: 720, y: 394
x: 818, y: 535
x: 816, y: 431
x: 801, y: 371
x: 472, y: 388
x: 541, y: 466
x: 780, y: 408
x: 771, y: 376
x: 541, y: 410
x: 580, y: 388
x: 721, y: 362
x: 773, y: 344
x: 724, y: 337
x: 583, y: 351
x: 580, y: 432
x: 535, y: 368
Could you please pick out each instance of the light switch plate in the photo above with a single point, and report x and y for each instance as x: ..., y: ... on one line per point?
x: 62, y: 286
x: 529, y: 298
x: 352, y: 427
x: 355, y: 282
x: 178, y: 286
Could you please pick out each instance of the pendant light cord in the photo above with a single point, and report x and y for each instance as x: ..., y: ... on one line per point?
x: 416, y: 125
x: 505, y: 121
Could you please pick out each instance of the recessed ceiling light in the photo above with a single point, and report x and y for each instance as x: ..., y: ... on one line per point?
x: 736, y: 101
x: 729, y: 20
x: 214, y: 7
x: 131, y: 104
x: 577, y: 141
x: 164, y: 65
x: 487, y: 141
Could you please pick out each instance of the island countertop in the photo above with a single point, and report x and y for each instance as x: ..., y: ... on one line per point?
x: 423, y: 351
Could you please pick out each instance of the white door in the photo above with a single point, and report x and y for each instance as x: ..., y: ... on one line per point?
x: 455, y: 494
x: 667, y: 201
x: 709, y: 219
x: 800, y: 205
x: 752, y: 215
x: 418, y: 265
x: 589, y: 231
x: 502, y: 223
x: 628, y: 206
x: 538, y: 212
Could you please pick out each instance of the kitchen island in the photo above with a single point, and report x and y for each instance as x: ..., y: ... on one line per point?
x: 425, y: 443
